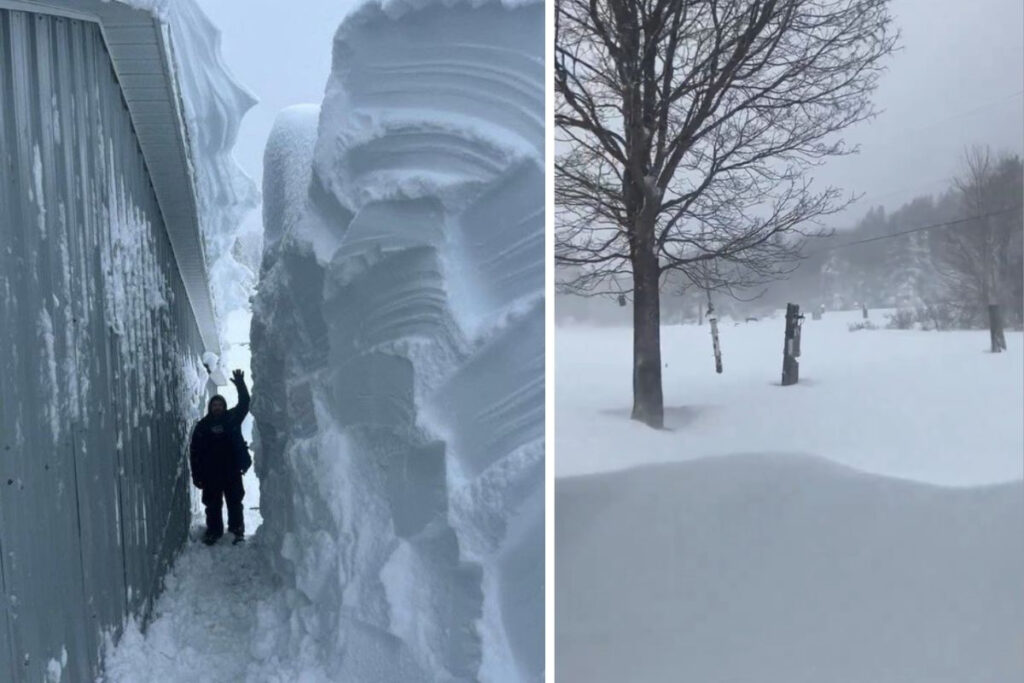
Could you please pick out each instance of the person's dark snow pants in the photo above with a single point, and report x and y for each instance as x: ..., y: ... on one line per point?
x: 213, y: 497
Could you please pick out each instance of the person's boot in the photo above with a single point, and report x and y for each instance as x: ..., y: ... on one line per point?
x: 210, y: 537
x: 239, y: 536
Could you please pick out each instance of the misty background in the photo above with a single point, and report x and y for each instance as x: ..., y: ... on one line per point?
x: 281, y: 52
x: 957, y: 82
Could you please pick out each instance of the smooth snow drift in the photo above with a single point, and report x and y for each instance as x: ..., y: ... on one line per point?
x: 398, y: 352
x: 786, y: 569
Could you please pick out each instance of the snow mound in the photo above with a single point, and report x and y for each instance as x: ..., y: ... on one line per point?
x: 786, y: 568
x: 398, y: 352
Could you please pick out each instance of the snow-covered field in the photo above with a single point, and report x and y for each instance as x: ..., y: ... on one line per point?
x: 849, y: 529
x: 934, y: 407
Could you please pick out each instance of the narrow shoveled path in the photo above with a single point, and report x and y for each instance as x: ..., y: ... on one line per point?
x: 204, y: 622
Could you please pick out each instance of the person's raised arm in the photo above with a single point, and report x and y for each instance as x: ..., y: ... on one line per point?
x: 242, y: 409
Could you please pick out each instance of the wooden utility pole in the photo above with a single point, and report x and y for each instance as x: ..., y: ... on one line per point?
x: 791, y: 347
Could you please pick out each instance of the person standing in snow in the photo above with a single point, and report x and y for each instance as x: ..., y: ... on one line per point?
x: 219, y: 457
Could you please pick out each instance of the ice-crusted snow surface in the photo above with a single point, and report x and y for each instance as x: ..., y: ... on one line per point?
x: 862, y: 525
x: 398, y: 352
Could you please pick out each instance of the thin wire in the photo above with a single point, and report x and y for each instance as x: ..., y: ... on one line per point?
x: 996, y: 102
x: 923, y: 228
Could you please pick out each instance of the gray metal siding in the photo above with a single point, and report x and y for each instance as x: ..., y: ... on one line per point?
x: 95, y: 333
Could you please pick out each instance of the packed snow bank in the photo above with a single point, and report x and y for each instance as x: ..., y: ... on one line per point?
x: 398, y: 350
x: 930, y: 406
x: 786, y: 569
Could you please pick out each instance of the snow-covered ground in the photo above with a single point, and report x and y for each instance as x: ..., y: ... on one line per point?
x: 204, y: 626
x: 849, y: 529
x: 785, y: 569
x: 934, y: 407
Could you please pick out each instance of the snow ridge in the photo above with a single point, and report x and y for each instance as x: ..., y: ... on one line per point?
x: 398, y: 352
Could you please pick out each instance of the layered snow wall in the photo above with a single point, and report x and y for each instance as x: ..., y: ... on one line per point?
x: 398, y: 352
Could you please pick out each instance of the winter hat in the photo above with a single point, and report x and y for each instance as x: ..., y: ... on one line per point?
x: 216, y: 397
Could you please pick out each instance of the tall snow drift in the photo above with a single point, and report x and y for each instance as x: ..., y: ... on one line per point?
x: 398, y: 352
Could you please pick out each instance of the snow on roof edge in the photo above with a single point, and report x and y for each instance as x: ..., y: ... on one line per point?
x: 395, y: 9
x: 214, y: 103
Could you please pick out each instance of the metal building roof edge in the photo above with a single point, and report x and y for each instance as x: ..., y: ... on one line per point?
x: 187, y: 241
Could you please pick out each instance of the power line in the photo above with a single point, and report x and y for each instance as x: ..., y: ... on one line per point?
x: 995, y: 102
x: 923, y: 228
x: 926, y: 126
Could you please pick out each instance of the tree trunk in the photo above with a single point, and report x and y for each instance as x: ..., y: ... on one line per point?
x: 648, y: 406
x: 995, y: 326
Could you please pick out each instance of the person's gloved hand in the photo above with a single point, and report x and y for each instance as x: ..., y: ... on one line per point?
x: 237, y: 377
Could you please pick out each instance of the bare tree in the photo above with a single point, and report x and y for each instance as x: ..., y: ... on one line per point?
x: 685, y: 130
x: 980, y: 260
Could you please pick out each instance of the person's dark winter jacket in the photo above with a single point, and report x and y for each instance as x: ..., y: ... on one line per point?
x: 218, y: 451
x: 218, y: 456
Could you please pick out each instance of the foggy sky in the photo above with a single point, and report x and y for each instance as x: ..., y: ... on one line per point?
x: 281, y: 52
x: 958, y: 81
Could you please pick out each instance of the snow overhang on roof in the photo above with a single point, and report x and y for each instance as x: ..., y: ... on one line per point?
x: 140, y: 49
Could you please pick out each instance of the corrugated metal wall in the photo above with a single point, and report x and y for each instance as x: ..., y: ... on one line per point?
x: 98, y: 350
